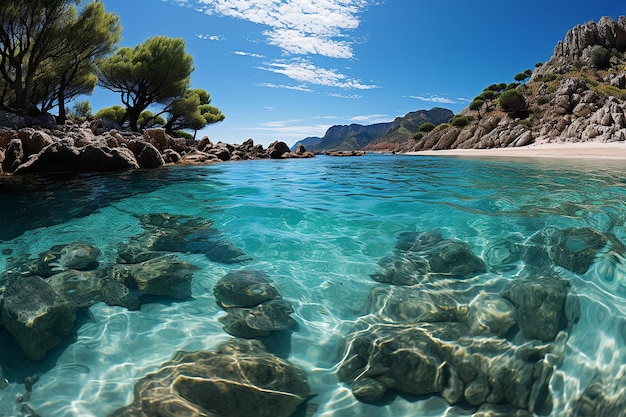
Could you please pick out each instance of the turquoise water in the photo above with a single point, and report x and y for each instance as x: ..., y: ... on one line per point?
x: 318, y: 229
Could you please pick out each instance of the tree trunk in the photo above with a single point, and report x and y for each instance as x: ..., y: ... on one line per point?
x: 62, y: 114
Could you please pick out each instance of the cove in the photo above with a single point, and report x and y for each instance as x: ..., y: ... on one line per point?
x: 408, y: 285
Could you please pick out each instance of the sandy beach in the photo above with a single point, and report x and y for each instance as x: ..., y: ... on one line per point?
x: 582, y: 150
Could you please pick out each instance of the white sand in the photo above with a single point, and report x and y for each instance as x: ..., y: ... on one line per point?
x: 584, y: 150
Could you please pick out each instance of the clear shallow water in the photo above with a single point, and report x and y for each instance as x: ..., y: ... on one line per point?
x: 318, y: 228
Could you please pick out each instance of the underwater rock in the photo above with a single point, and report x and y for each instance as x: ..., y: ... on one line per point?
x: 36, y: 315
x: 440, y: 358
x: 490, y: 410
x: 539, y: 304
x: 489, y: 314
x: 260, y: 321
x: 83, y: 288
x: 239, y: 379
x: 596, y: 401
x: 163, y: 276
x: 245, y: 288
x: 418, y: 255
x: 411, y: 304
x: 184, y: 234
x: 575, y: 248
x: 77, y: 255
x: 117, y: 294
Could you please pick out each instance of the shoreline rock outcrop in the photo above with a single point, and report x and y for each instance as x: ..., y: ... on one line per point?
x: 91, y: 147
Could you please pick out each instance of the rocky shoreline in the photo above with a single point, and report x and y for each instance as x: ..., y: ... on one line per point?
x: 37, y: 145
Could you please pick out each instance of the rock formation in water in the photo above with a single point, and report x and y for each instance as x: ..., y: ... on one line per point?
x: 579, y: 95
x: 239, y: 379
x: 434, y: 327
x: 40, y: 296
x: 255, y: 309
x: 96, y: 146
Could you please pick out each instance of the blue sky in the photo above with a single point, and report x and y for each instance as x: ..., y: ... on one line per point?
x: 289, y: 69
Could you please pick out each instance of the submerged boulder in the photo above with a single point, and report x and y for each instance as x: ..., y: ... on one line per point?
x: 259, y: 321
x: 540, y: 305
x: 163, y: 276
x: 239, y: 379
x: 420, y: 254
x: 245, y: 288
x: 165, y: 232
x: 37, y: 316
x: 83, y: 288
x: 80, y: 256
x: 575, y: 248
x: 439, y: 358
x: 597, y: 400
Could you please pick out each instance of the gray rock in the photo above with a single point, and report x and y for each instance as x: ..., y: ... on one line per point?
x: 575, y: 248
x: 13, y: 156
x: 164, y: 276
x: 146, y: 154
x: 277, y: 149
x: 76, y: 255
x: 58, y: 157
x: 600, y: 399
x: 419, y: 255
x: 185, y: 234
x: 83, y: 288
x: 438, y: 358
x: 539, y: 304
x: 36, y: 315
x: 240, y: 379
x: 245, y: 288
x: 116, y: 293
x: 260, y: 321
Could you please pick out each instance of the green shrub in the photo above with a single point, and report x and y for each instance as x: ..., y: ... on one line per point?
x: 115, y: 113
x: 601, y: 57
x: 426, y: 127
x: 419, y: 135
x: 607, y: 90
x: 460, y: 121
x: 512, y: 101
x: 477, y: 104
x: 181, y: 134
x: 441, y: 127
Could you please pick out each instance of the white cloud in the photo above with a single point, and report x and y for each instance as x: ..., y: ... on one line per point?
x: 287, y: 87
x: 210, y: 37
x: 370, y: 118
x: 253, y: 55
x: 298, y: 26
x: 351, y: 96
x: 435, y: 99
x: 305, y: 71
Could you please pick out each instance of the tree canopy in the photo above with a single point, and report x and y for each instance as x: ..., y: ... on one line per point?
x: 48, y: 51
x: 192, y: 111
x: 157, y: 71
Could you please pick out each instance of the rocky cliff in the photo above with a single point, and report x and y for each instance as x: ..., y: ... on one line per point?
x: 579, y: 95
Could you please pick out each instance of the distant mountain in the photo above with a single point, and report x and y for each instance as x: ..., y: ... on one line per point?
x: 358, y: 137
x: 403, y: 128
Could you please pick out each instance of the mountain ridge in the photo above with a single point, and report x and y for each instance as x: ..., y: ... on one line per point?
x: 370, y: 137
